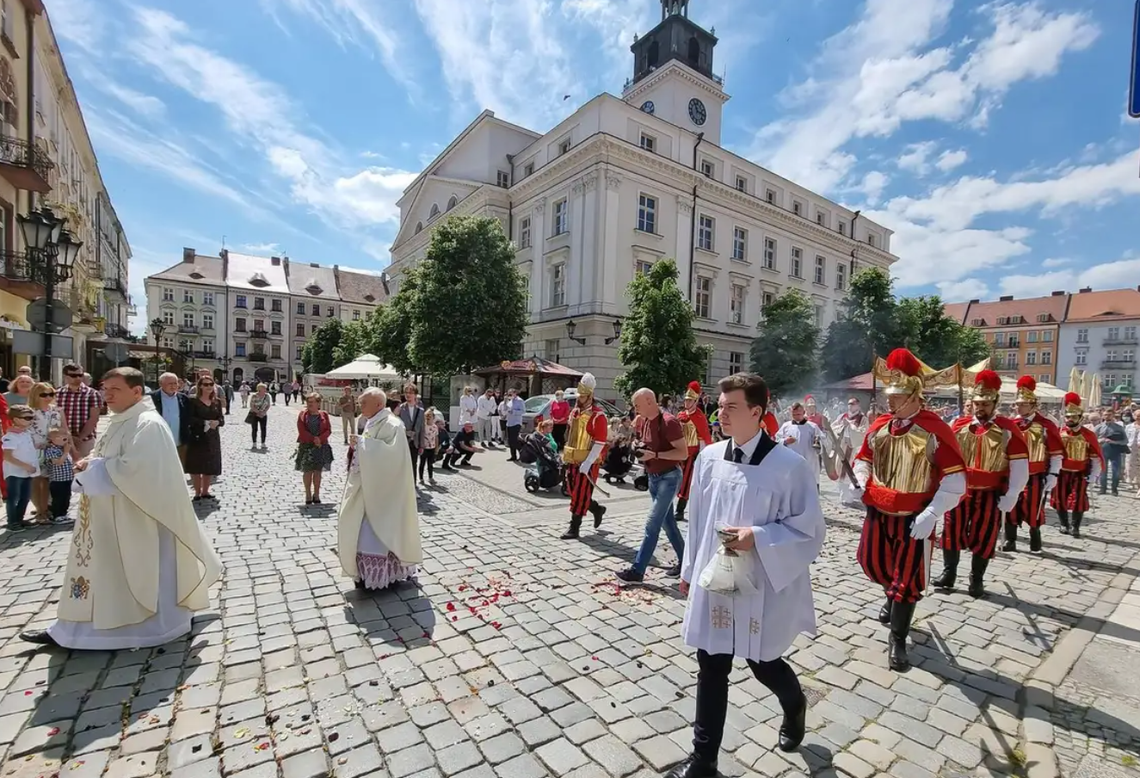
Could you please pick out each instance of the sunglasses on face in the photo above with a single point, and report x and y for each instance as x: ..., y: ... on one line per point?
x: 47, y: 394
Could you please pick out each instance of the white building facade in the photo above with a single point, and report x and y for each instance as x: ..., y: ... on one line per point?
x: 1101, y: 336
x: 621, y: 184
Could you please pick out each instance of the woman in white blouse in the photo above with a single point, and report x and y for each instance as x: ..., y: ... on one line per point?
x: 41, y: 399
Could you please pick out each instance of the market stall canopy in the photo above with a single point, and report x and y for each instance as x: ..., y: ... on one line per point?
x: 527, y: 367
x: 363, y: 368
x: 1046, y: 393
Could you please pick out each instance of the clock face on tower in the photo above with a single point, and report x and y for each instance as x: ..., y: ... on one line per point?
x: 697, y: 112
x: 648, y: 106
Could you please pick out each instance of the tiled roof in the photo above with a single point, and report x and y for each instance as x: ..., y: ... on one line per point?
x: 203, y: 270
x: 956, y: 311
x: 360, y: 288
x: 999, y: 313
x: 311, y: 280
x: 1105, y: 306
x: 258, y: 274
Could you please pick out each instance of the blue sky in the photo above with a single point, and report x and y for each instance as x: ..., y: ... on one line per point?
x: 992, y: 137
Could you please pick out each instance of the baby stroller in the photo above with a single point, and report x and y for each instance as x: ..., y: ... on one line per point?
x: 545, y: 466
x: 619, y: 462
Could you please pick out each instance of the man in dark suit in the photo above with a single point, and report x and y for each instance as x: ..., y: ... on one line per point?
x: 172, y: 405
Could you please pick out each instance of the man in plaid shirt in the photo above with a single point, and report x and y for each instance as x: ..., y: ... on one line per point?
x: 80, y: 405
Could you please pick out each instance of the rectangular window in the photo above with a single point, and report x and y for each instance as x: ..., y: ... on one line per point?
x: 797, y: 270
x: 239, y: 325
x: 842, y: 228
x: 188, y: 320
x: 1042, y: 317
x: 275, y: 351
x: 736, y: 304
x: 300, y: 309
x: 706, y: 232
x: 819, y: 316
x: 1082, y: 336
x: 561, y: 217
x: 167, y: 294
x: 767, y: 299
x: 871, y: 243
x: 330, y: 312
x: 529, y: 169
x: 820, y: 270
x: 551, y: 349
x: 708, y: 169
x: 316, y: 309
x: 275, y: 305
x: 1081, y: 358
x: 168, y: 317
x: 819, y: 217
x: 740, y: 244
x: 1031, y: 337
x: 1046, y: 357
x: 239, y: 349
x: 735, y: 362
x: 770, y: 253
x: 259, y: 303
x: 558, y: 285
x: 259, y: 325
x: 1047, y: 336
x: 1031, y: 357
x: 297, y: 354
x: 703, y: 304
x: 274, y: 328
x: 840, y: 276
x: 504, y: 179
x: 642, y: 267
x: 647, y: 213
x: 208, y: 346
x: 649, y: 143
x: 187, y: 296
x: 1130, y: 333
x: 741, y: 184
x: 355, y: 314
x: 797, y: 207
x: 1114, y: 333
x: 770, y: 196
x: 524, y: 232
x: 300, y: 330
x: 999, y: 339
x: 207, y: 321
x: 207, y: 298
x: 1014, y: 341
x: 563, y: 147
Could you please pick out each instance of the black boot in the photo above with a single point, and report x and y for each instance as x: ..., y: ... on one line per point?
x: 598, y: 510
x: 1010, y: 536
x: 679, y: 511
x: 1064, y: 517
x: 793, y: 728
x: 1035, y: 540
x: 693, y: 767
x: 1078, y: 517
x: 885, y: 612
x: 949, y: 570
x: 977, y: 573
x: 901, y: 615
x: 575, y: 526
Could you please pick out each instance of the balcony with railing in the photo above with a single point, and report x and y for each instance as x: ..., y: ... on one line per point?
x: 115, y: 288
x: 25, y: 166
x: 258, y: 334
x: 1118, y: 364
x: 204, y: 354
x: 188, y: 329
x: 1134, y: 342
x: 19, y: 275
x: 258, y: 357
x: 115, y: 331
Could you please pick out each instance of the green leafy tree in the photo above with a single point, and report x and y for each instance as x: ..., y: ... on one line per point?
x: 317, y: 354
x: 470, y: 305
x: 392, y: 326
x: 658, y: 345
x: 355, y: 339
x: 867, y: 326
x: 784, y: 350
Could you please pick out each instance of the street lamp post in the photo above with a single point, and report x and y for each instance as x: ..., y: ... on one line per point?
x: 157, y: 327
x: 226, y: 362
x: 52, y: 252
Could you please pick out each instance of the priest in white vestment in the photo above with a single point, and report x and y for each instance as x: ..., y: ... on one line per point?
x: 139, y: 563
x: 764, y: 495
x: 850, y: 429
x: 804, y: 436
x: 378, y: 528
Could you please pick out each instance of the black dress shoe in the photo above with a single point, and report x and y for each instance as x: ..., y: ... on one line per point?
x: 693, y: 767
x: 885, y: 613
x: 793, y: 729
x: 40, y: 637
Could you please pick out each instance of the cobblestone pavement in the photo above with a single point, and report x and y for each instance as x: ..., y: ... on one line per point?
x: 517, y: 657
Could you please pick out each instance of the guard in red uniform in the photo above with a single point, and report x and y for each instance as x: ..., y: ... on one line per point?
x: 997, y: 469
x: 1045, y: 452
x: 771, y: 424
x: 586, y: 434
x: 697, y: 436
x: 910, y: 471
x: 1081, y: 466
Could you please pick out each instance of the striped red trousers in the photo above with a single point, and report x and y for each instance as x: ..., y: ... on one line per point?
x: 1030, y: 509
x: 1072, y: 492
x: 973, y: 524
x: 890, y: 557
x: 687, y: 474
x: 581, y: 489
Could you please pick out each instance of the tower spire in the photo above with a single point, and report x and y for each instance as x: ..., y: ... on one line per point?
x: 674, y: 8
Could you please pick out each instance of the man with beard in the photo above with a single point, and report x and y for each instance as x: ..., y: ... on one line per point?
x: 1080, y: 466
x: 850, y: 429
x: 696, y: 428
x: 997, y: 463
x: 911, y: 472
x: 586, y: 437
x: 804, y: 437
x: 1045, y: 454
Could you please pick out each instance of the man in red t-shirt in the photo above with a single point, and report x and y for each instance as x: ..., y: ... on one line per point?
x: 663, y: 450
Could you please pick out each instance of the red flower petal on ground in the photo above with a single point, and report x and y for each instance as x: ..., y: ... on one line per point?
x: 506, y: 592
x: 594, y: 658
x: 496, y: 625
x: 463, y: 587
x: 53, y: 731
x: 455, y: 618
x: 451, y: 606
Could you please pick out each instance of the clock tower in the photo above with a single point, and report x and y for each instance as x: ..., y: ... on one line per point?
x: 673, y: 74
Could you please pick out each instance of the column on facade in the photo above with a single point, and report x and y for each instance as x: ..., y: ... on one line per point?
x: 539, y: 229
x: 580, y: 232
x: 609, y: 206
x: 685, y: 242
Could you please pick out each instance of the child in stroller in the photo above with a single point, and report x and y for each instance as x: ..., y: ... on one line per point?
x: 540, y: 452
x: 620, y: 460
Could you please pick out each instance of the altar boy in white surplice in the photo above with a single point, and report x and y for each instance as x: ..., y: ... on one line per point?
x: 138, y: 563
x: 378, y: 528
x: 765, y: 495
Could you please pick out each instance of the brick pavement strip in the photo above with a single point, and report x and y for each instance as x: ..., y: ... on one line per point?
x: 517, y: 657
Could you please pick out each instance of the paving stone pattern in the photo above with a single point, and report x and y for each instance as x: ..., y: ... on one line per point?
x: 518, y: 657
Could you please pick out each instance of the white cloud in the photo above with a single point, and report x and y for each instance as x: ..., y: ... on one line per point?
x: 883, y: 70
x: 915, y: 158
x: 79, y: 22
x: 261, y: 248
x: 949, y: 160
x: 873, y: 185
x: 142, y: 104
x: 966, y: 289
x: 1120, y: 274
x: 1056, y: 262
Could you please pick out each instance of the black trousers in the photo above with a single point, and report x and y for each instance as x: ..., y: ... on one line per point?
x: 712, y: 696
x: 414, y: 450
x: 457, y: 457
x: 427, y: 459
x: 513, y: 440
x: 258, y: 422
x: 60, y: 492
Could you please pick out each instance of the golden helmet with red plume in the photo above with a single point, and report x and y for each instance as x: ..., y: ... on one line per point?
x: 905, y: 375
x: 693, y: 392
x: 1073, y: 405
x: 987, y: 386
x: 1026, y: 390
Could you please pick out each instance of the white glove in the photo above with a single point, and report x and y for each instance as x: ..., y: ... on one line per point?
x: 854, y: 497
x: 1050, y: 482
x: 1008, y: 502
x: 584, y: 468
x: 923, y: 526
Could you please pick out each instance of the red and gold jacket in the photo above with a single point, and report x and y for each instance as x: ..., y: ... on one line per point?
x: 771, y: 424
x: 696, y: 429
x: 1080, y: 447
x: 987, y: 450
x: 584, y: 429
x: 908, y: 461
x: 1043, y: 438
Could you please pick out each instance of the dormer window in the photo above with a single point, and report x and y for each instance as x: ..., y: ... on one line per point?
x: 369, y: 297
x: 434, y: 211
x: 196, y: 275
x: 259, y: 280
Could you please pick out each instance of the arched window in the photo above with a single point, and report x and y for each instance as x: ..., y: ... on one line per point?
x: 434, y: 211
x: 694, y: 51
x: 452, y: 202
x: 419, y: 227
x: 654, y: 53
